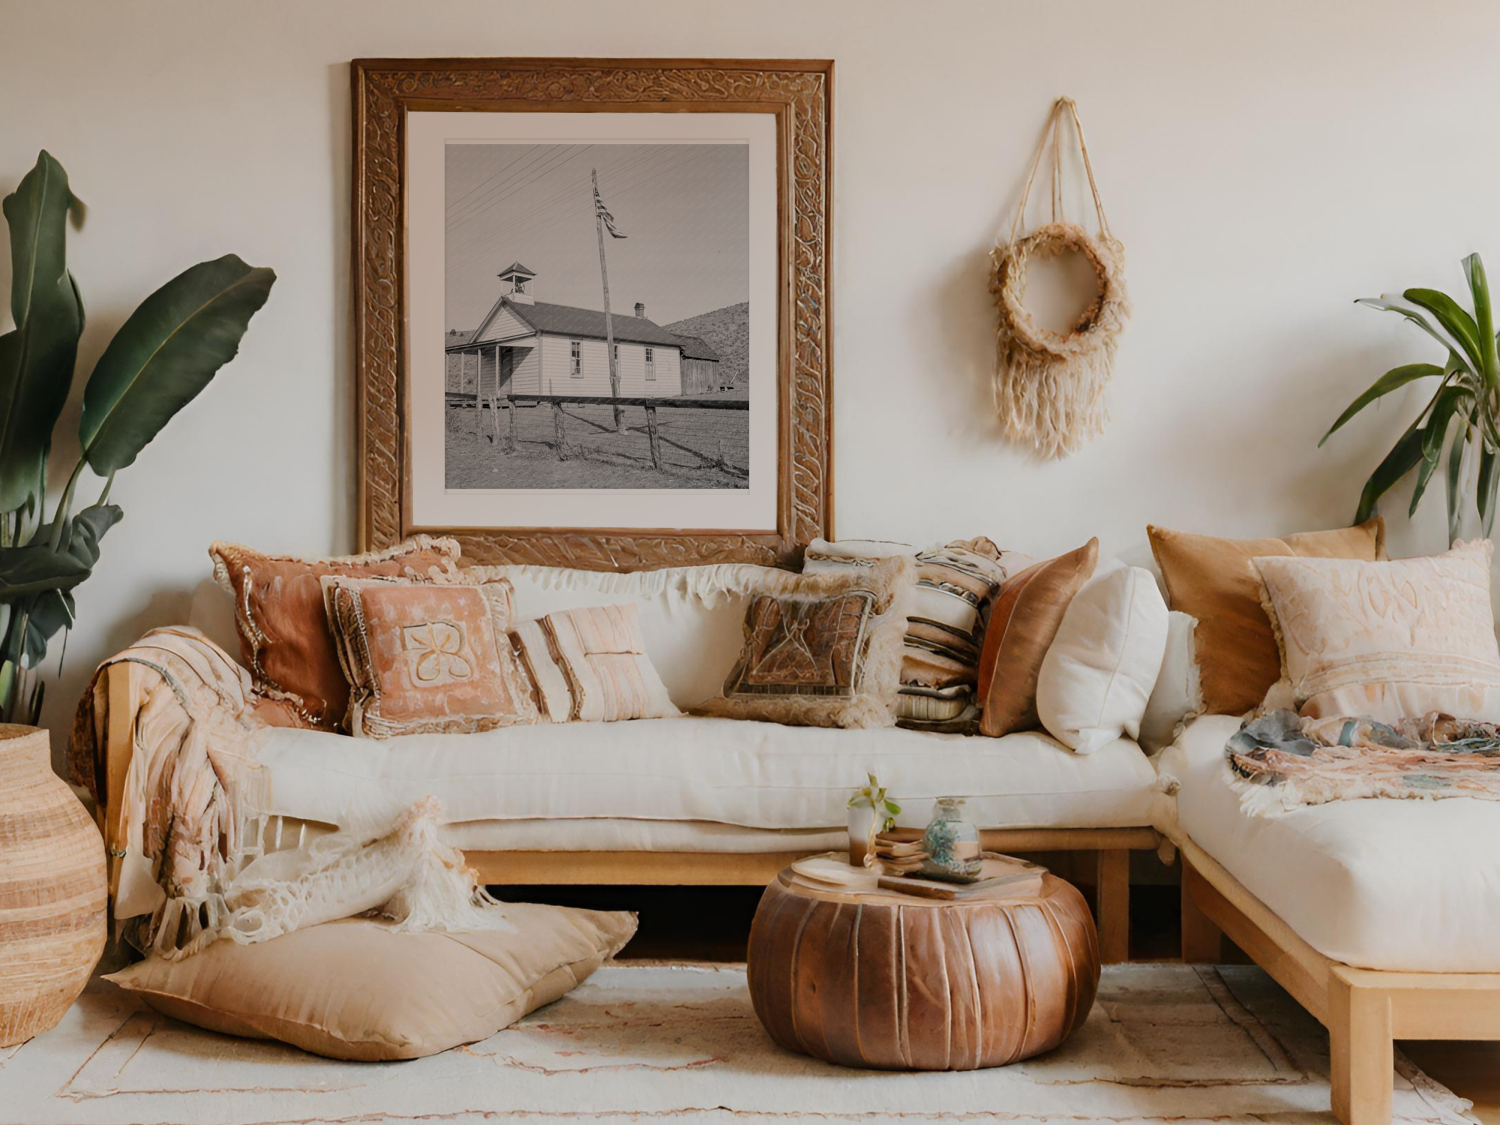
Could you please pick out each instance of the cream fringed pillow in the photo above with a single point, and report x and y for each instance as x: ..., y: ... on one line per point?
x: 823, y: 650
x: 1390, y: 640
x: 424, y: 658
x: 356, y: 990
x: 590, y: 665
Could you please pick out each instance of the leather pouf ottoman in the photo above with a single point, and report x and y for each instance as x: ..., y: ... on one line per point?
x: 896, y: 982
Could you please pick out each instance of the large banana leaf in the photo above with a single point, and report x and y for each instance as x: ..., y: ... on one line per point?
x: 164, y: 355
x: 1393, y: 379
x: 36, y: 358
x: 35, y: 568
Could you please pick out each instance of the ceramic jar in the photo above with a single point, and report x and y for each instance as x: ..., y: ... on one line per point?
x: 52, y: 888
x: 951, y: 843
x: 861, y: 831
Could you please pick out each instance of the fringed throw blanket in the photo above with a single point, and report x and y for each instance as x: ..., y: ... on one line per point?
x: 1281, y: 761
x: 191, y: 860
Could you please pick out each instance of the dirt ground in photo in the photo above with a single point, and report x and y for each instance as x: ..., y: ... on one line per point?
x: 699, y: 448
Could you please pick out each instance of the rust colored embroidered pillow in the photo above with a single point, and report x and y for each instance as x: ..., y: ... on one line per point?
x: 823, y: 649
x: 590, y: 665
x: 424, y: 658
x: 283, y: 628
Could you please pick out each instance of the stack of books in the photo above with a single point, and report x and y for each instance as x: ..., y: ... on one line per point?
x: 899, y: 857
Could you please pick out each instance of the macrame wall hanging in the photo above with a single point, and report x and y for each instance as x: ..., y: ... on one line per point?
x: 1049, y: 386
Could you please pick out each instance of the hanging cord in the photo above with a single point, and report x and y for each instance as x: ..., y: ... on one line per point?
x: 1053, y: 130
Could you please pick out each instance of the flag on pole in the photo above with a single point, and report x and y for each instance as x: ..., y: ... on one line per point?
x: 603, y: 212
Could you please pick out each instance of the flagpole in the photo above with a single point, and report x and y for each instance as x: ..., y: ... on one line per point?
x: 609, y: 324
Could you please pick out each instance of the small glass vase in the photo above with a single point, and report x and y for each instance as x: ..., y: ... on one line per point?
x: 952, y: 844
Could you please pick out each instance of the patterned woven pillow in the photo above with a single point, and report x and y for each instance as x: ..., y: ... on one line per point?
x: 591, y: 665
x: 823, y: 649
x: 279, y: 615
x: 426, y: 658
x: 956, y: 585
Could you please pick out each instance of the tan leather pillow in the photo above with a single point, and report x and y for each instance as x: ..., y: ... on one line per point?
x: 1025, y: 620
x: 1214, y: 580
x: 355, y: 990
x: 284, y: 635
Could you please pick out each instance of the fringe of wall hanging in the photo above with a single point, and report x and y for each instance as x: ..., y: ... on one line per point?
x: 1049, y: 386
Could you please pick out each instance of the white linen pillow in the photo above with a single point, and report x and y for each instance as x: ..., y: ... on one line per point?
x: 1099, y: 672
x: 1390, y: 640
x: 1178, y: 694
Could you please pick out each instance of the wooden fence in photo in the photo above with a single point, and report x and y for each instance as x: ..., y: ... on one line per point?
x: 651, y: 406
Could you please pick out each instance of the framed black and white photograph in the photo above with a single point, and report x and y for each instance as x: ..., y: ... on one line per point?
x: 612, y: 349
x: 611, y: 308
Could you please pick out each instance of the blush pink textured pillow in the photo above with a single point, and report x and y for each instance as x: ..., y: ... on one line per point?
x: 427, y: 657
x: 1390, y: 640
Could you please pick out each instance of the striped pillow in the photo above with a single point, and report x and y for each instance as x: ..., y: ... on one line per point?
x: 956, y: 584
x: 590, y: 665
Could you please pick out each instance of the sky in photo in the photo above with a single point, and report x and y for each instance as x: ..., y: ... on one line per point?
x: 684, y: 208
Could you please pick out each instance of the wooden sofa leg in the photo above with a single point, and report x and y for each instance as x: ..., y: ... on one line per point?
x: 1202, y: 941
x: 1361, y: 1052
x: 1112, y: 888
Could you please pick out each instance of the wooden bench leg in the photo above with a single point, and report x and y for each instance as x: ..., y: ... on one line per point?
x: 1202, y: 941
x: 1112, y: 888
x: 1361, y: 1052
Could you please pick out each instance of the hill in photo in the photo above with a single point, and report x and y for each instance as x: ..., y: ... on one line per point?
x: 727, y: 331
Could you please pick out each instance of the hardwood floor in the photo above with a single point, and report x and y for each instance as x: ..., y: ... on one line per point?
x: 713, y: 924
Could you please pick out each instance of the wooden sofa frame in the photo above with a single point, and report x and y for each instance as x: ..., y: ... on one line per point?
x: 1364, y: 1010
x: 1112, y: 846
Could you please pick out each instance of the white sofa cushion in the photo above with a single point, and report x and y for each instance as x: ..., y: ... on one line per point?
x: 692, y: 617
x: 729, y: 771
x: 1100, y: 668
x: 1378, y: 884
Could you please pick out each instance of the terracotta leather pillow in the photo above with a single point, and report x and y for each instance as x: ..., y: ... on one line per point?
x: 427, y: 657
x: 1215, y: 581
x: 283, y: 628
x: 356, y: 990
x: 1023, y: 623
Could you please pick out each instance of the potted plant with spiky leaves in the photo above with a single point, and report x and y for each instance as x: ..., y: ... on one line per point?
x: 1459, y: 426
x: 164, y: 354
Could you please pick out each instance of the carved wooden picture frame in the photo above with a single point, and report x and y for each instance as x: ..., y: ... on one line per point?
x: 796, y: 93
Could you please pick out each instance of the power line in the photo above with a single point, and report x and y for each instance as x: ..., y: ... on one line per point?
x: 510, y: 181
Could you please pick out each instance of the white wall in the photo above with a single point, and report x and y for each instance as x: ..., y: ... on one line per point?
x: 1265, y: 163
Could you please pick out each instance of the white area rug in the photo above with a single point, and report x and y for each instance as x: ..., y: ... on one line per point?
x: 644, y: 1042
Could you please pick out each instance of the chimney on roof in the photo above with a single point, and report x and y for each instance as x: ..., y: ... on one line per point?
x: 640, y: 310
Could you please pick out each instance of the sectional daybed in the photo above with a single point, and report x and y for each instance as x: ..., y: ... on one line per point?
x: 1377, y: 915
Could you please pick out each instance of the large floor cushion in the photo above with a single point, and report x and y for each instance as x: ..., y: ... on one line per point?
x: 1408, y: 885
x: 728, y: 771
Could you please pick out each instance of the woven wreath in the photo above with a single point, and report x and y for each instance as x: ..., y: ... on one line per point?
x: 1049, y: 386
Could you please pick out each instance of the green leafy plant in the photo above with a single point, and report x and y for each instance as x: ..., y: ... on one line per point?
x: 164, y: 354
x: 1463, y: 414
x: 873, y: 796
